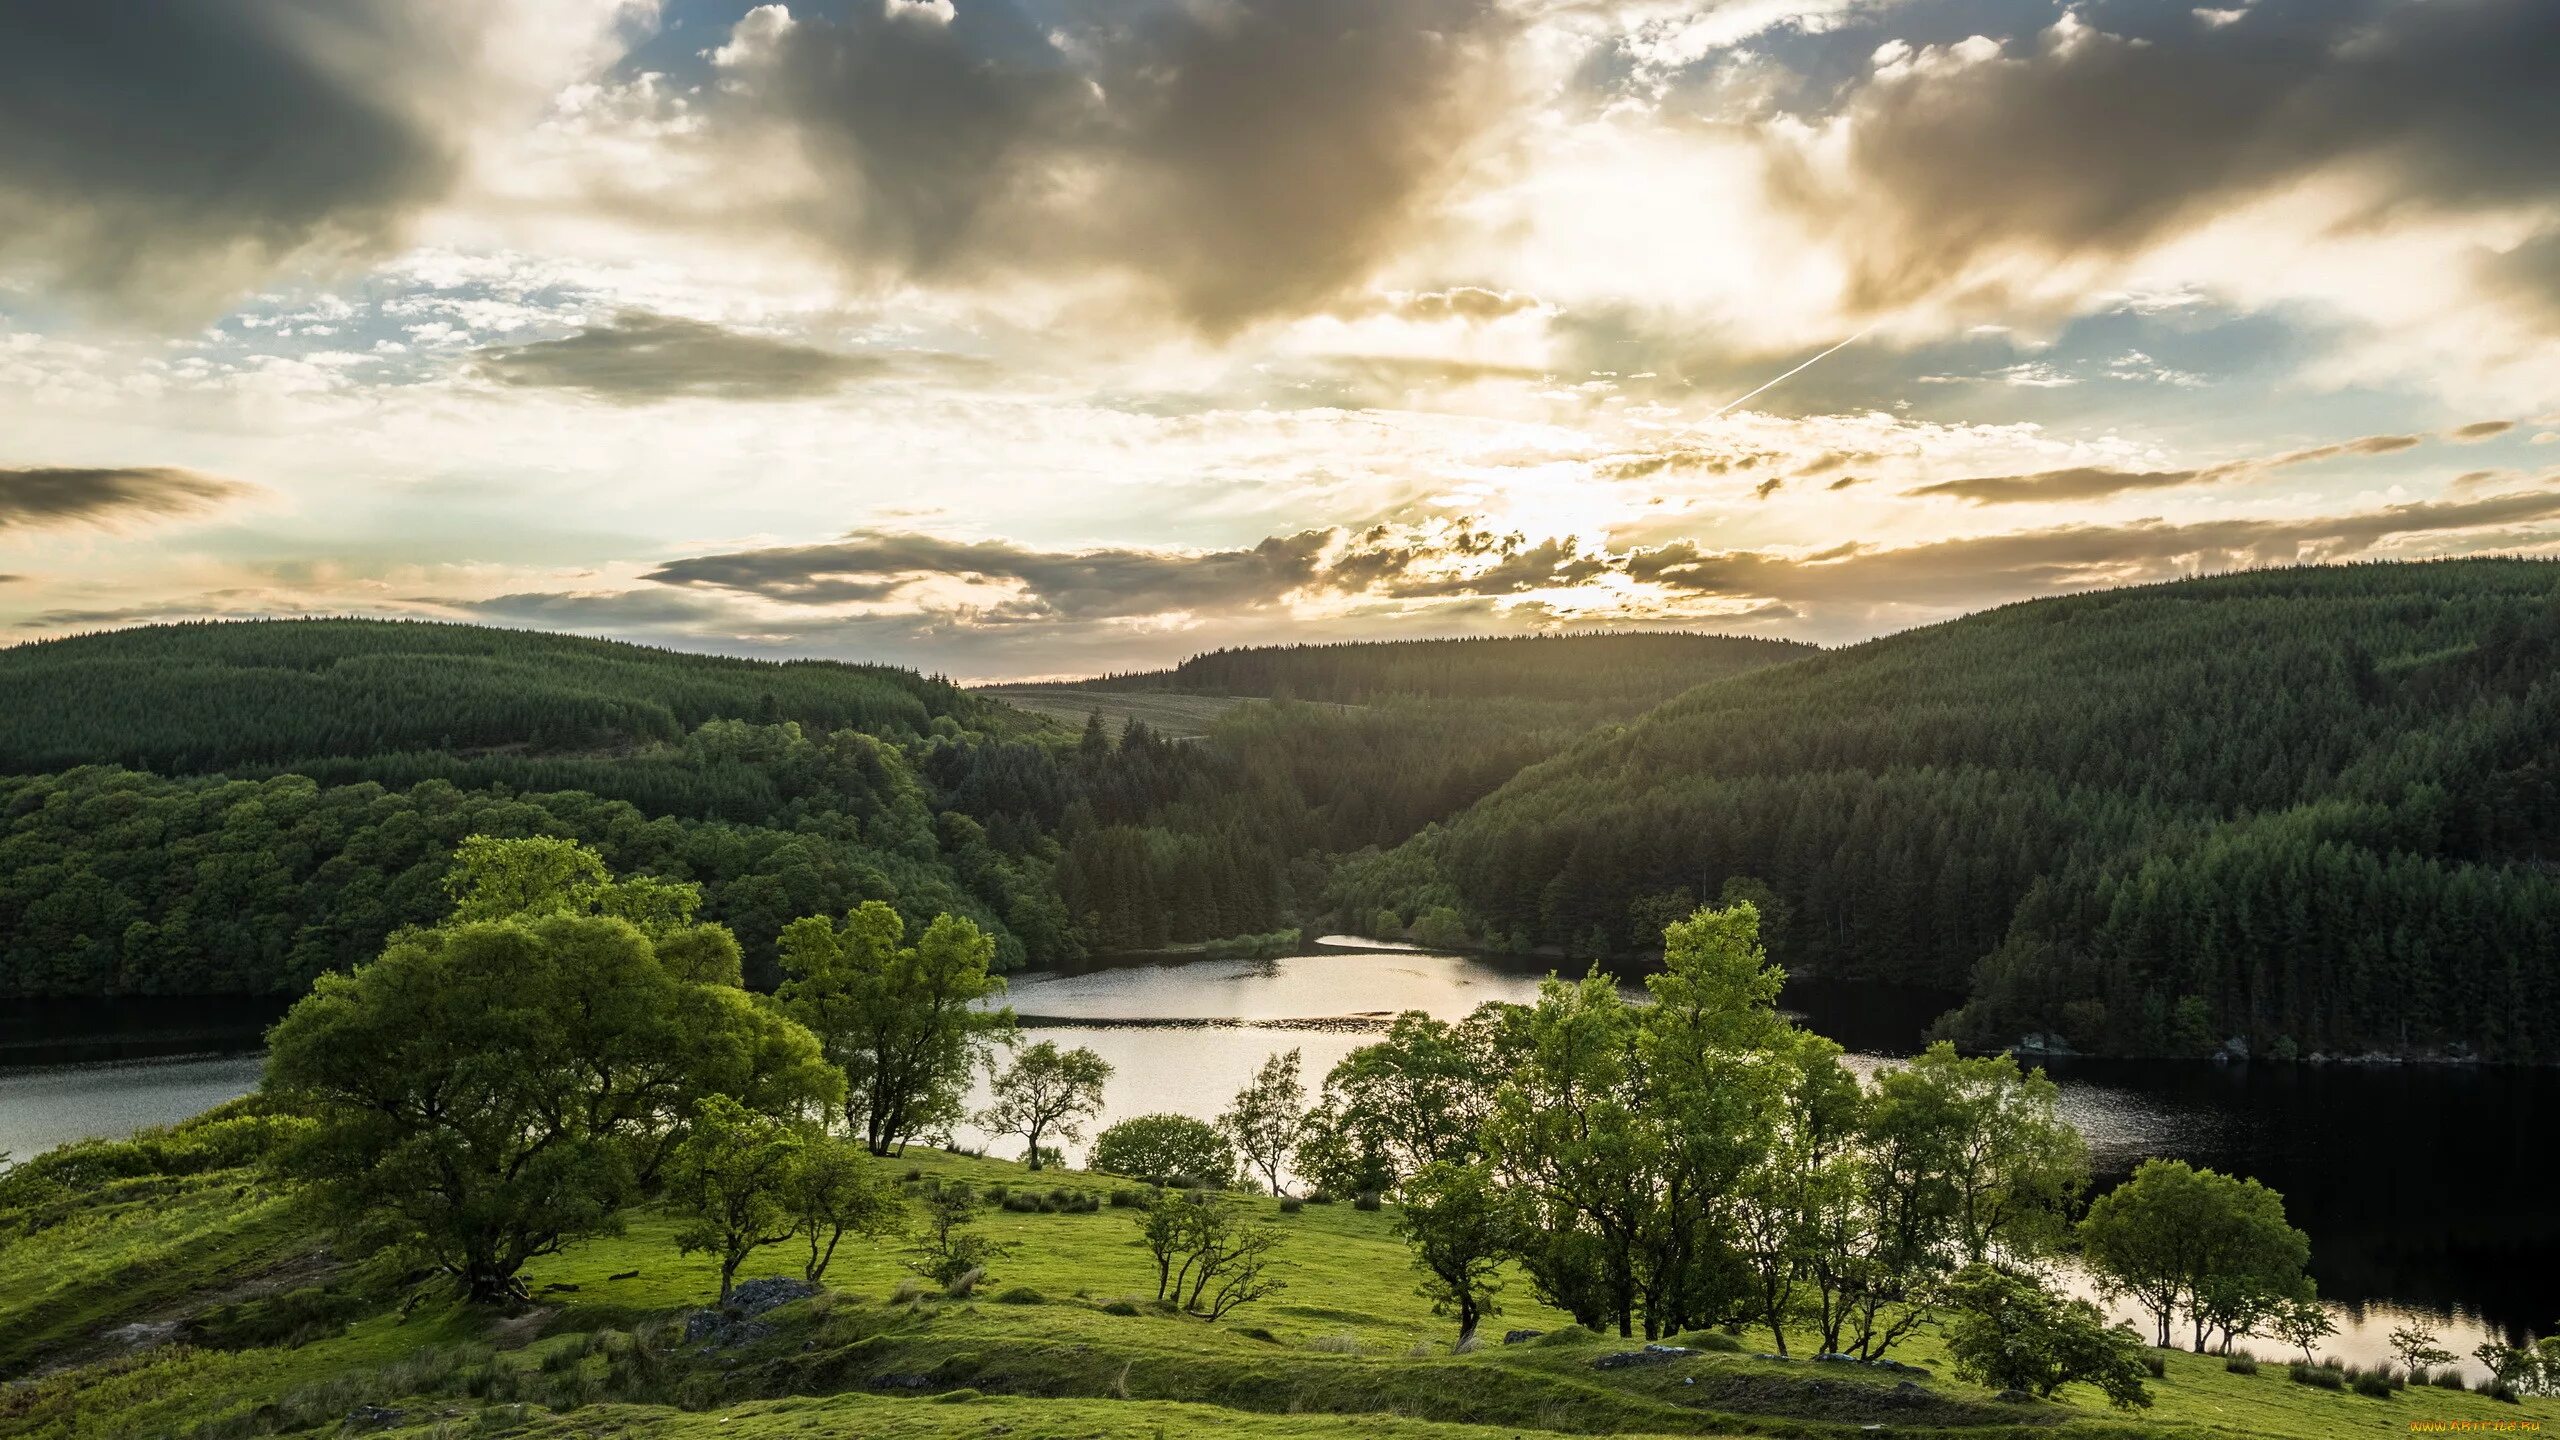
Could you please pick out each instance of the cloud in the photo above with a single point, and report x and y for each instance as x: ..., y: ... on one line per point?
x: 1238, y: 159
x: 163, y: 157
x: 47, y: 496
x: 1988, y: 569
x: 869, y: 567
x: 640, y: 357
x: 2092, y: 482
x: 2082, y: 143
x: 2479, y: 430
x: 2086, y: 482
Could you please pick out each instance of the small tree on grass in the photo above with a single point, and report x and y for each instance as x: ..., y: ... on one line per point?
x: 2418, y: 1348
x: 1267, y: 1117
x: 1045, y: 1092
x: 1165, y: 1147
x: 1461, y: 1227
x: 731, y: 1181
x: 1209, y: 1257
x: 948, y: 1249
x: 2007, y: 1330
x: 2302, y: 1322
x: 833, y: 1193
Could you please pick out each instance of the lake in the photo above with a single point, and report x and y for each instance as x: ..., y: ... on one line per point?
x: 2423, y: 1188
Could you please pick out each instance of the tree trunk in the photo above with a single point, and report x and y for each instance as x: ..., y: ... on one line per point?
x: 1034, y: 1138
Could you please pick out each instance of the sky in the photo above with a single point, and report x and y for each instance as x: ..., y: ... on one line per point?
x: 1038, y: 338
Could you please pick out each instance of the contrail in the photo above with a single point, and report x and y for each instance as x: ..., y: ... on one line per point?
x: 1809, y: 364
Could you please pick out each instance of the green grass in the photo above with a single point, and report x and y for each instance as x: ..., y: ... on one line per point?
x: 1348, y: 1348
x: 1181, y: 715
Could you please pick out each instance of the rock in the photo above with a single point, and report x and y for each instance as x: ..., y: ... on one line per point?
x: 143, y: 1334
x: 374, y: 1417
x: 2039, y: 1042
x: 559, y: 1287
x: 757, y: 1296
x: 2014, y: 1397
x: 1765, y: 1356
x: 2237, y: 1047
x: 1649, y: 1355
x: 1834, y: 1357
x: 1520, y: 1337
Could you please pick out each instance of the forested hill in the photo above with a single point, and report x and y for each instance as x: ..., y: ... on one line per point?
x: 2314, y: 809
x: 1625, y: 672
x: 199, y: 809
x: 244, y: 694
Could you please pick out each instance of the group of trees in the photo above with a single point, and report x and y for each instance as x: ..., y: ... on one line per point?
x: 565, y: 1043
x: 2309, y: 808
x: 1696, y: 1160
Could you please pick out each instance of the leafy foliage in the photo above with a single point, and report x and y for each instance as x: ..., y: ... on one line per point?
x: 2009, y: 1331
x: 1164, y: 1148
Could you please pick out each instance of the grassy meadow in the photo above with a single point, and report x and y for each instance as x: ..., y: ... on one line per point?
x: 275, y: 1335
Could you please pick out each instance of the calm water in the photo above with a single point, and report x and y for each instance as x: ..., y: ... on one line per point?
x: 2425, y: 1190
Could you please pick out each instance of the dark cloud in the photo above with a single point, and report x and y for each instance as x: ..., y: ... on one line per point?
x: 641, y: 357
x: 2081, y: 142
x: 162, y: 154
x: 1246, y: 158
x: 1385, y: 562
x: 1845, y: 481
x: 2479, y: 430
x: 1091, y: 584
x: 109, y: 495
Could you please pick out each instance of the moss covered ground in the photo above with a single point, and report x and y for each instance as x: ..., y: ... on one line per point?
x: 201, y: 1307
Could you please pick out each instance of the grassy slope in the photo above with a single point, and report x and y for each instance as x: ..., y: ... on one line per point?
x: 1180, y: 715
x: 1350, y: 1349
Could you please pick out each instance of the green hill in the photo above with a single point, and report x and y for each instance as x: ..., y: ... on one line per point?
x: 1615, y: 672
x: 235, y: 808
x: 190, y: 699
x: 171, y: 1300
x: 2310, y: 808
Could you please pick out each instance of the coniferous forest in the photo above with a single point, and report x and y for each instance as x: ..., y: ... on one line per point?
x: 2310, y: 809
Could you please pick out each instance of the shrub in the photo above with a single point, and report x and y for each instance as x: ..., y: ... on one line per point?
x: 1344, y: 1343
x: 2241, y: 1365
x: 2500, y: 1390
x: 1022, y: 1295
x: 1291, y: 1204
x: 2157, y: 1365
x: 2447, y: 1379
x: 1120, y: 1307
x: 1319, y: 1196
x: 997, y: 1194
x: 2009, y: 1332
x: 1256, y: 1332
x: 1160, y: 1147
x: 1569, y: 1335
x: 1367, y: 1200
x: 2372, y: 1382
x: 2319, y: 1377
x: 1126, y: 1198
x: 965, y: 1284
x: 915, y: 1172
x: 1023, y: 1204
